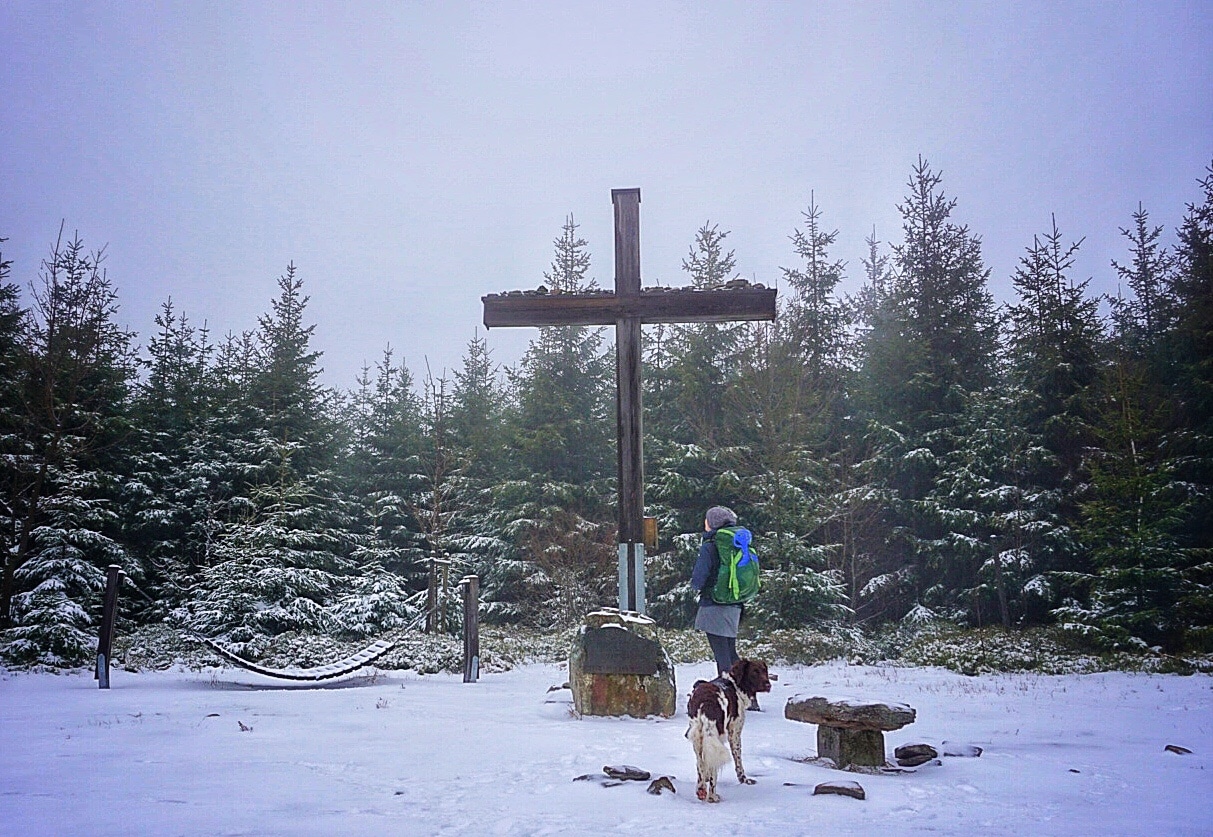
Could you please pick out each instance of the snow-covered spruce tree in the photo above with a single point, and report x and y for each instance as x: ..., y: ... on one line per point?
x: 930, y: 343
x: 944, y: 308
x: 856, y: 510
x: 172, y: 498
x: 782, y: 446
x: 1055, y: 350
x: 282, y: 559
x: 557, y: 505
x: 235, y: 448
x: 477, y: 416
x: 865, y: 307
x: 1192, y: 289
x: 814, y: 320
x: 785, y: 411
x: 442, y: 499
x: 79, y: 365
x: 561, y: 424
x: 702, y: 354
x: 477, y: 412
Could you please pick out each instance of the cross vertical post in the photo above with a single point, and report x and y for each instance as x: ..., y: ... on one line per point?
x: 627, y: 308
x: 629, y: 406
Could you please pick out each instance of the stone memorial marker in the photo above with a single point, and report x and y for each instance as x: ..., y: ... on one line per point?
x: 618, y: 667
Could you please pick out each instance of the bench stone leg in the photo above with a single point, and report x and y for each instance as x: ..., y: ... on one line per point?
x: 851, y: 746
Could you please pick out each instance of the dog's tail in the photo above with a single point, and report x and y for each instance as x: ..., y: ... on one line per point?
x: 711, y: 748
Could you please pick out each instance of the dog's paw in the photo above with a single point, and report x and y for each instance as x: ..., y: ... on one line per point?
x: 702, y: 793
x: 713, y: 797
x: 746, y: 780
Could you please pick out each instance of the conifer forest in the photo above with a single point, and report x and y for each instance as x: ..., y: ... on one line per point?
x: 916, y: 451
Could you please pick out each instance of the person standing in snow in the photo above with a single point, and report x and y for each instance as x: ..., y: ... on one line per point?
x: 718, y: 621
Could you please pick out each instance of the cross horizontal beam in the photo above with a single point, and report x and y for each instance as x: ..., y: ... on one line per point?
x: 651, y: 305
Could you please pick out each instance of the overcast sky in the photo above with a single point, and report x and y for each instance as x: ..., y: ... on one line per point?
x: 411, y: 157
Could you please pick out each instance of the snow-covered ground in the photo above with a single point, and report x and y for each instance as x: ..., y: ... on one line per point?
x: 228, y: 752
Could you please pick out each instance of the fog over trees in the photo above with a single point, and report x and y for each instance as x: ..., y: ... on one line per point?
x: 917, y: 451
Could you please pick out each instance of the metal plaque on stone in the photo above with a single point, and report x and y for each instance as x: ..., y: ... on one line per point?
x: 616, y: 651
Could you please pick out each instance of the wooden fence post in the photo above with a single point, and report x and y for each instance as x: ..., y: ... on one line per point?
x: 471, y: 628
x: 109, y: 615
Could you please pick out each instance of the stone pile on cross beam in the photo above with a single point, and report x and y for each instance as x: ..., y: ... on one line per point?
x: 627, y: 308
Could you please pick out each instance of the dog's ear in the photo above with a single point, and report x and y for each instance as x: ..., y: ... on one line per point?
x: 740, y: 672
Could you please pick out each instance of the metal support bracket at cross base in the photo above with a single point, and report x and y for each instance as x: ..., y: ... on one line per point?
x: 631, y: 577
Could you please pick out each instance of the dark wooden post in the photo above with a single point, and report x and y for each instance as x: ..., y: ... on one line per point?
x: 629, y: 407
x: 109, y: 615
x: 471, y: 628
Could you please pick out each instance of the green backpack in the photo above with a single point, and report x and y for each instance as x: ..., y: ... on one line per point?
x: 737, y: 581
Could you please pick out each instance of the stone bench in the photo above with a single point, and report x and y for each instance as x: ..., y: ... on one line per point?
x: 849, y: 731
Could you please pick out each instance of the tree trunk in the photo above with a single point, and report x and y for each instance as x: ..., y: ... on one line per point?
x: 1002, y: 592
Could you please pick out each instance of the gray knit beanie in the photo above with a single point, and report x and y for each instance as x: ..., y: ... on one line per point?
x: 718, y: 516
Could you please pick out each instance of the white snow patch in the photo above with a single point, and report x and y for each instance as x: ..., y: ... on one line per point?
x: 400, y: 753
x: 850, y: 700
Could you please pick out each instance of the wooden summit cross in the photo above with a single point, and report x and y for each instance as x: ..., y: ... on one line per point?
x: 627, y: 308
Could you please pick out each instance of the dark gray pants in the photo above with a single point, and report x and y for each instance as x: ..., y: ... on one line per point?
x: 724, y: 649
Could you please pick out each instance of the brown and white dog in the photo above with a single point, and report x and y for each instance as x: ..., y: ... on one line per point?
x: 717, y: 711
